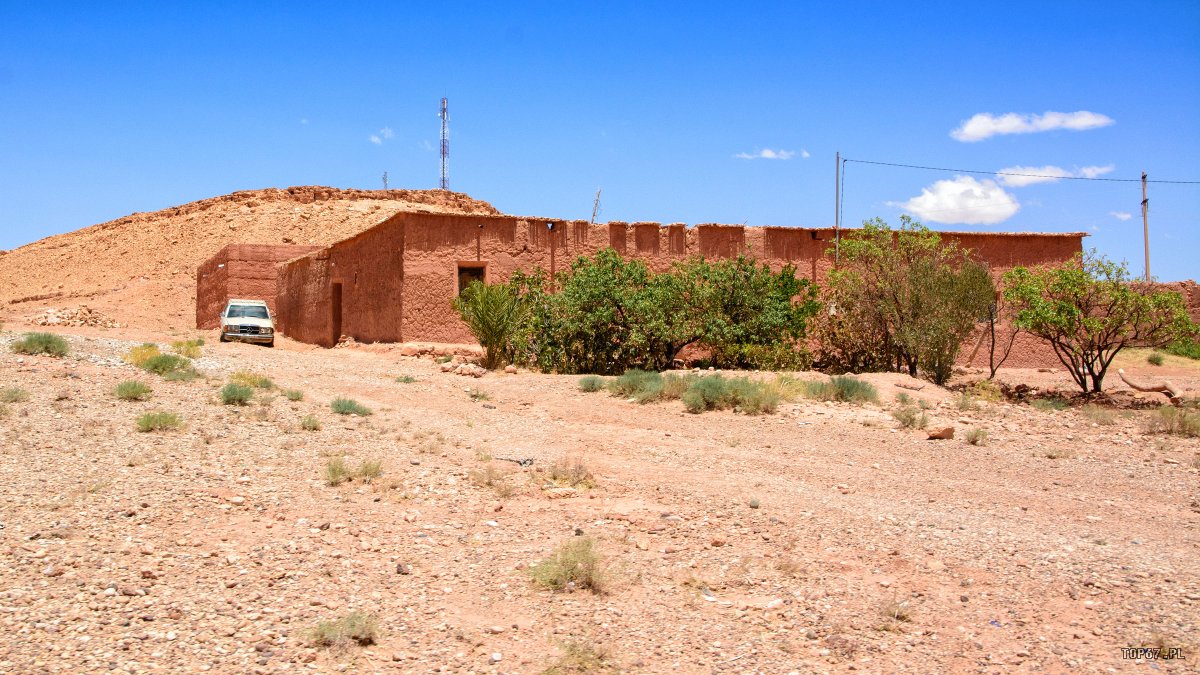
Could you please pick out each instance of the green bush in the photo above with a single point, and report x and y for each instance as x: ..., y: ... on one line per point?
x: 250, y: 379
x: 406, y: 379
x: 185, y: 375
x: 236, y: 394
x: 158, y: 421
x: 166, y: 363
x: 293, y: 394
x: 842, y: 388
x: 310, y: 423
x: 187, y: 348
x: 715, y: 392
x: 610, y: 315
x: 1185, y: 347
x: 336, y: 471
x: 41, y: 343
x: 636, y: 383
x: 591, y: 383
x: 133, y: 390
x: 977, y: 436
x: 346, y: 406
x: 1155, y: 359
x: 1052, y: 404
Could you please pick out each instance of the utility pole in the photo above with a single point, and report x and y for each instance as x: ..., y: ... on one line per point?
x: 837, y: 209
x: 1146, y: 225
x: 384, y: 180
x: 445, y: 115
x: 596, y: 206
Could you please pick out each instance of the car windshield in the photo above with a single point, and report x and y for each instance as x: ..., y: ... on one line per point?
x: 247, y: 311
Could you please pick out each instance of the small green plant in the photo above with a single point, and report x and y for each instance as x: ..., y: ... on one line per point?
x: 356, y: 628
x: 1174, y: 421
x: 406, y: 379
x: 163, y: 364
x: 1052, y: 404
x: 252, y: 380
x: 41, y: 343
x: 158, y: 421
x: 904, y: 399
x: 293, y: 394
x: 310, y: 423
x: 133, y: 390
x: 477, y: 395
x: 591, y: 383
x: 977, y: 436
x: 13, y: 395
x: 715, y: 392
x: 141, y: 354
x: 1098, y: 415
x: 1155, y: 359
x: 236, y: 394
x: 911, y: 417
x: 336, y: 471
x: 187, y: 348
x: 842, y: 388
x: 575, y: 565
x: 185, y: 375
x: 369, y: 470
x: 347, y: 406
x: 986, y: 390
x: 443, y: 359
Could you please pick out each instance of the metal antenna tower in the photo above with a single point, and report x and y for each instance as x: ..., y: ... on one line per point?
x: 445, y: 115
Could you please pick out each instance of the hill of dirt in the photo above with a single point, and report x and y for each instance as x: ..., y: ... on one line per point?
x: 140, y: 270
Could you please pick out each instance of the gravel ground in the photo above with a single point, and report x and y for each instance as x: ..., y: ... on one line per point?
x: 819, y: 539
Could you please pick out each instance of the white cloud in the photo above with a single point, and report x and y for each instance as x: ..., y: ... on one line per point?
x: 767, y: 153
x: 1093, y: 171
x: 962, y: 200
x: 804, y: 154
x: 986, y: 125
x: 384, y: 134
x: 1120, y: 215
x: 1030, y: 175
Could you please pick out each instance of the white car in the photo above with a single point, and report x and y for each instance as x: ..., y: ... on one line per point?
x: 248, y: 321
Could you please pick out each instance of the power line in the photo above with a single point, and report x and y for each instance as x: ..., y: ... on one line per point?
x: 1025, y: 175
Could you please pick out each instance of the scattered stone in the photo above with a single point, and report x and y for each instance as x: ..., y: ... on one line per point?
x: 942, y: 434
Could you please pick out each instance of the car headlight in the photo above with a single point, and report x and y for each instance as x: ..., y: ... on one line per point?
x: 268, y: 331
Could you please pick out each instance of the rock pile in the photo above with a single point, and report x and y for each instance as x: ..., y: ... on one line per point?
x: 80, y: 316
x: 468, y: 369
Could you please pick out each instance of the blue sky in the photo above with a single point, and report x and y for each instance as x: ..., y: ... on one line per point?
x: 112, y: 108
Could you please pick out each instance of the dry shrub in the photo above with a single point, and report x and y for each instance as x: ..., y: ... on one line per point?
x: 582, y: 657
x: 1174, y: 421
x: 491, y: 477
x: 911, y: 417
x: 571, y: 472
x: 575, y: 565
x: 356, y: 628
x: 977, y: 436
x: 1098, y: 414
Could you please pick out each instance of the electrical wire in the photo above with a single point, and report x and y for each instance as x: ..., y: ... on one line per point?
x: 1025, y: 175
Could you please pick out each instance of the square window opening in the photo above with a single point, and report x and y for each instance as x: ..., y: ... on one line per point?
x: 469, y: 273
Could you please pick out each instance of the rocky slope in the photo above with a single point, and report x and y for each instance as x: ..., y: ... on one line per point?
x: 140, y: 269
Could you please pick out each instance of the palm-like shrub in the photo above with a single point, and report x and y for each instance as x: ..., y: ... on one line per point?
x: 494, y: 313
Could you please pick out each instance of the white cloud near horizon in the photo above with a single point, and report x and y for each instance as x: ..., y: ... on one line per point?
x: 985, y: 125
x: 1120, y: 215
x: 767, y: 153
x: 963, y: 200
x: 1031, y: 175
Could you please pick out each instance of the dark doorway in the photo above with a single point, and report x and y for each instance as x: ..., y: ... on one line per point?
x: 335, y: 311
x: 469, y: 273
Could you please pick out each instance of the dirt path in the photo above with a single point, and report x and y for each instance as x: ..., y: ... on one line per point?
x: 768, y: 544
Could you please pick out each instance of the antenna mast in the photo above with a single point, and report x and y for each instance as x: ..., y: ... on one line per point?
x: 445, y: 115
x: 596, y: 207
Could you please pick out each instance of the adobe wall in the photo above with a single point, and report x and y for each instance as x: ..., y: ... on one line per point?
x: 240, y: 271
x: 399, y: 278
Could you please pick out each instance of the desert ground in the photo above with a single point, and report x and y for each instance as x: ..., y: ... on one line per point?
x: 821, y: 538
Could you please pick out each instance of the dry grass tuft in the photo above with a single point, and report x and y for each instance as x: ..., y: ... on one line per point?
x: 582, y: 657
x: 574, y: 566
x: 911, y: 417
x: 571, y: 472
x: 977, y: 436
x: 1098, y: 415
x: 336, y: 471
x: 356, y: 628
x: 1174, y: 421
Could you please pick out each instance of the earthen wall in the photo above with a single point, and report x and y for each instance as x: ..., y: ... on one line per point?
x: 247, y: 271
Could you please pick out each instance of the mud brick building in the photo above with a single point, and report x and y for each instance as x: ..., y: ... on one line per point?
x: 394, y: 282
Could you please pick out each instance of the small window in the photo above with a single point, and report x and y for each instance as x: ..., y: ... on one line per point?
x: 469, y: 273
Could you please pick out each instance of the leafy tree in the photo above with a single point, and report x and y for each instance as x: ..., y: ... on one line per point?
x: 494, y: 313
x: 903, y: 298
x: 1089, y: 309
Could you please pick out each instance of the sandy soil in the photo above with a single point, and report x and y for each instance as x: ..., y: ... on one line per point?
x: 217, y: 547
